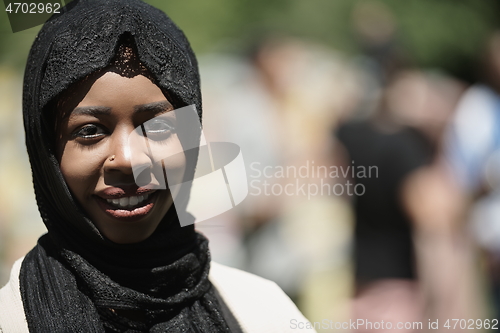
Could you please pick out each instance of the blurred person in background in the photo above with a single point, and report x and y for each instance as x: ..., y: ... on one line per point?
x: 410, y: 209
x: 473, y: 155
x: 410, y: 248
x: 448, y: 274
x: 384, y: 258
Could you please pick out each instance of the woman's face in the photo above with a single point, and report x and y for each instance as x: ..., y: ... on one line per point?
x: 96, y: 159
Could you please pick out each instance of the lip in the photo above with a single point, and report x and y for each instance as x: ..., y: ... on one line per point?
x: 119, y: 192
x: 125, y: 214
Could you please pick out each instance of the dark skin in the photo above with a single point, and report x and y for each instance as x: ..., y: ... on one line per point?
x: 93, y: 150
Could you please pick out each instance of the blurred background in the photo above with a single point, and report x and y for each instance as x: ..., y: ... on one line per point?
x: 370, y: 132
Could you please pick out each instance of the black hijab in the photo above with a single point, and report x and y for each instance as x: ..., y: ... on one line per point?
x: 76, y: 280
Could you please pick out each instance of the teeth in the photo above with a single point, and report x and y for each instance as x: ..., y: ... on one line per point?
x: 128, y: 202
x: 133, y: 201
x: 124, y: 202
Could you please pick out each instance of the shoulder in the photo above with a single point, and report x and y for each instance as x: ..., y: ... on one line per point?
x: 258, y: 304
x: 12, y: 318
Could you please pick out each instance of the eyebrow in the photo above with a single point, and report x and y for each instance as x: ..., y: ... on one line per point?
x: 155, y: 107
x: 90, y: 111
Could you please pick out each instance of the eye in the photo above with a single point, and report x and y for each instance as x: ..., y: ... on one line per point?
x: 89, y: 131
x: 158, y: 129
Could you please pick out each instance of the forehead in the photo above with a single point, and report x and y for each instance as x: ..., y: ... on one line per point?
x: 112, y: 89
x: 114, y: 92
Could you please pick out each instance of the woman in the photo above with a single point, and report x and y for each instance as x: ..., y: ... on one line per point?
x: 115, y: 258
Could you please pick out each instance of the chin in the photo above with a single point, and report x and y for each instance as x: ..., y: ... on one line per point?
x: 128, y: 234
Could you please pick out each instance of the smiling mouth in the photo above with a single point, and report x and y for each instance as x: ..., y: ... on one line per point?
x: 129, y: 203
x: 132, y: 208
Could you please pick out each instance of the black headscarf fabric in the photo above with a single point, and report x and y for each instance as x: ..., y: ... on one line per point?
x: 76, y: 280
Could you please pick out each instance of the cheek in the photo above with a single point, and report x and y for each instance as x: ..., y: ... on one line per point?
x: 166, y: 155
x: 175, y: 164
x: 175, y: 168
x: 80, y: 169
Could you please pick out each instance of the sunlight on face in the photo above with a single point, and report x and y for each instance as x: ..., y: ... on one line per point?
x: 95, y: 159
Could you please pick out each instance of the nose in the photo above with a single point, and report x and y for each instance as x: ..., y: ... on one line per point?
x: 126, y: 156
x: 129, y: 159
x: 119, y: 158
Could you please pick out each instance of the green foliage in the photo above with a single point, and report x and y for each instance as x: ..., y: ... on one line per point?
x: 437, y: 33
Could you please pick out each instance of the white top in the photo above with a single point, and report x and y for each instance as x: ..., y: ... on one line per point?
x: 259, y: 305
